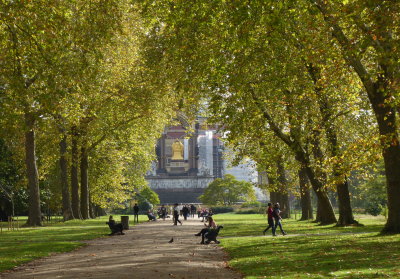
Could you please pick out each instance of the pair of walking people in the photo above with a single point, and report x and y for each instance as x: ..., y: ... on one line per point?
x: 274, y: 219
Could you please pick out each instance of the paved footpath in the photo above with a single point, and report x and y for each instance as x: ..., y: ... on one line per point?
x: 142, y: 253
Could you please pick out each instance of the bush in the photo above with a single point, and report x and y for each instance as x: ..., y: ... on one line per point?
x: 374, y: 208
x: 251, y: 204
x: 221, y: 209
x: 250, y: 211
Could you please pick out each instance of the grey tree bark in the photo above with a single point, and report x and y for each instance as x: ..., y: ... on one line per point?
x: 34, y: 214
x: 66, y: 201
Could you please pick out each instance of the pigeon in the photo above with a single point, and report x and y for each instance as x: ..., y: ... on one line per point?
x: 172, y: 240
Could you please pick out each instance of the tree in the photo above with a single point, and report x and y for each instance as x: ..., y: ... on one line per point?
x: 369, y: 44
x: 254, y: 61
x: 9, y: 176
x: 227, y: 190
x: 149, y: 195
x: 41, y: 44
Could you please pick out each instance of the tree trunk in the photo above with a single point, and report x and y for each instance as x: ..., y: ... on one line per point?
x: 35, y: 214
x: 76, y: 209
x: 66, y: 201
x: 99, y: 211
x: 91, y: 211
x: 283, y: 195
x: 273, y: 196
x: 327, y: 215
x: 345, y: 212
x: 386, y: 118
x: 319, y: 211
x: 84, y: 183
x: 305, y: 196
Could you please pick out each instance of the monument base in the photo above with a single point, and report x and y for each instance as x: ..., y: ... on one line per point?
x: 179, y: 189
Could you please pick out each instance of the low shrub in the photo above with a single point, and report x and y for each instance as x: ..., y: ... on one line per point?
x: 251, y: 204
x: 374, y: 208
x: 221, y: 209
x: 250, y: 211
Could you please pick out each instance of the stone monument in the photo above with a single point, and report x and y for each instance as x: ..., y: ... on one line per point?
x: 189, y: 157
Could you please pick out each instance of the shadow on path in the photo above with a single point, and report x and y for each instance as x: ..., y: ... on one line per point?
x: 143, y: 252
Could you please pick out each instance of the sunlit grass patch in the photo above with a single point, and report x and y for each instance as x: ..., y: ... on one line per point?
x: 254, y: 224
x: 310, y: 251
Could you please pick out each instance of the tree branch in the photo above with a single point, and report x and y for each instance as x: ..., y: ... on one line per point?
x: 344, y: 42
x: 106, y: 134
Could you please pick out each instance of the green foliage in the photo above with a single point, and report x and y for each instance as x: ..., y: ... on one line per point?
x: 227, y: 191
x: 12, y: 199
x: 251, y: 204
x: 221, y: 209
x: 370, y: 192
x: 146, y: 194
x: 250, y: 211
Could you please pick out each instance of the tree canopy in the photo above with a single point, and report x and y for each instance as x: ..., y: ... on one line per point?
x: 227, y: 191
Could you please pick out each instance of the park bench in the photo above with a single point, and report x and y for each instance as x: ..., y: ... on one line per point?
x: 212, y: 234
x: 115, y: 228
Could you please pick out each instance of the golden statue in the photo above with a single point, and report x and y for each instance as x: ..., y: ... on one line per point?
x: 177, y: 150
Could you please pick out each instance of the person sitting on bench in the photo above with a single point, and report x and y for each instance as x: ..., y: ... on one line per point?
x: 114, y: 227
x: 210, y: 226
x: 151, y: 216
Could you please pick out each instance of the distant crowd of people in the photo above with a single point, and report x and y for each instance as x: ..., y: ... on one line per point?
x: 190, y: 210
x: 177, y: 211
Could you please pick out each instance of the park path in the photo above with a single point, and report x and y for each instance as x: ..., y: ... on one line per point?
x: 142, y: 253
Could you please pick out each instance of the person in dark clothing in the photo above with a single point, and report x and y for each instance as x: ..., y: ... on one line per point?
x: 193, y: 210
x: 185, y: 211
x: 270, y: 212
x: 114, y: 226
x: 176, y: 215
x: 163, y: 212
x: 277, y: 216
x: 136, y: 213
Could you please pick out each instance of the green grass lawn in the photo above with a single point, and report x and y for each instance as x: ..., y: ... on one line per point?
x: 310, y: 250
x: 26, y: 244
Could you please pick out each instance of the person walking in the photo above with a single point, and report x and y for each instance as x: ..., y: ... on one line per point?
x: 185, y: 211
x: 136, y: 213
x: 176, y: 215
x: 277, y: 216
x: 270, y: 212
x: 163, y: 212
x: 193, y: 210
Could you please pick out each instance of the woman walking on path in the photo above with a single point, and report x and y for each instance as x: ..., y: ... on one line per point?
x: 270, y: 212
x: 211, y: 225
x: 277, y: 216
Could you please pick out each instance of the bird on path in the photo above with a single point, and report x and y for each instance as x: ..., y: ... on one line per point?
x: 172, y: 240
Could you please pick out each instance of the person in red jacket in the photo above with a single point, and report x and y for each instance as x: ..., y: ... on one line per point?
x: 269, y: 212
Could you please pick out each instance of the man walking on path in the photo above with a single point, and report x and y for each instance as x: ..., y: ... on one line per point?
x: 277, y: 216
x: 270, y: 212
x: 176, y: 215
x: 136, y: 213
